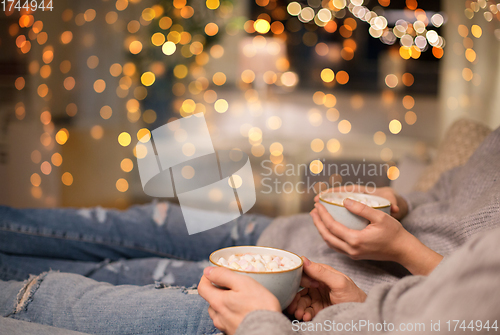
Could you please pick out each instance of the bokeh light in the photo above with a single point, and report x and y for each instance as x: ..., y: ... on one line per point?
x: 379, y: 138
x: 393, y: 173
x: 106, y: 112
x: 143, y: 135
x: 188, y: 172
x: 35, y: 179
x: 316, y: 166
x: 124, y: 139
x: 410, y: 118
x: 391, y: 80
x: 122, y: 185
x: 97, y: 132
x: 395, y: 126
x: 327, y: 75
x: 386, y: 154
x: 67, y: 178
x: 408, y: 102
x: 329, y: 100
x: 99, y: 86
x: 317, y: 145
x: 274, y: 122
x: 342, y: 77
x: 69, y: 83
x: 344, y: 127
x: 62, y: 136
x: 56, y: 159
x: 221, y: 106
x: 262, y: 26
x: 258, y: 150
x: 46, y: 168
x: 127, y: 165
x: 148, y: 78
x: 333, y: 145
x: 169, y: 48
x: 219, y: 78
x: 235, y: 181
x: 476, y: 31
x: 332, y: 114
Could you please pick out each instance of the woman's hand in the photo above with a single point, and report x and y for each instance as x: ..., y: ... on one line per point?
x: 229, y: 307
x: 399, y: 207
x: 323, y: 286
x: 384, y: 239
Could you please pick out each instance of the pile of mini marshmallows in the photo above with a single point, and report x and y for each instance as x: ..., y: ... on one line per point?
x: 257, y: 263
x: 339, y: 199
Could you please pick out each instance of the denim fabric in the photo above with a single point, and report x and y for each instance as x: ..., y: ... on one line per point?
x: 140, y: 246
x: 71, y: 301
x: 11, y: 326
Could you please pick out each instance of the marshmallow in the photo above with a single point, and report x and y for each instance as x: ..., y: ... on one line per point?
x: 359, y: 197
x: 248, y: 257
x: 259, y: 266
x: 243, y: 263
x: 223, y: 261
x: 267, y: 258
x: 235, y: 266
x: 272, y: 265
x: 257, y: 263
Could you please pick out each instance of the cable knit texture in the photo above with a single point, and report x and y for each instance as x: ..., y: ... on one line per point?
x: 464, y: 202
x: 458, y: 144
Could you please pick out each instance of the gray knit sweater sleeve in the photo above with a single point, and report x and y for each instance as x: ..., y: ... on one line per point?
x: 463, y: 287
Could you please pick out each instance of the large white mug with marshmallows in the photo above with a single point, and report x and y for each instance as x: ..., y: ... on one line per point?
x: 278, y: 270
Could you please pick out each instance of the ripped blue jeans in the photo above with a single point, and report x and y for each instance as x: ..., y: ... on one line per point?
x: 104, y: 271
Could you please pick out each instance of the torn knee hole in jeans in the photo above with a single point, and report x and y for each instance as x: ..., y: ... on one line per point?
x: 186, y: 290
x: 160, y: 213
x: 249, y: 228
x: 99, y: 213
x: 25, y: 295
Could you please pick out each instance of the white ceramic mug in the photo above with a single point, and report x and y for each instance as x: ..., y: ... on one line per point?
x: 342, y: 215
x: 283, y: 284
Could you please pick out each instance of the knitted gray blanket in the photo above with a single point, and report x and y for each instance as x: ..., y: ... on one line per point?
x: 461, y: 294
x: 464, y: 202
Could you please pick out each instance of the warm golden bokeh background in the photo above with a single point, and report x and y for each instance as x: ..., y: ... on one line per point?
x: 305, y: 83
